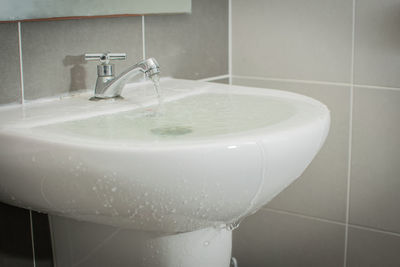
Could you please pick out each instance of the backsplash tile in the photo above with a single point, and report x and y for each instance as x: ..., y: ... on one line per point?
x: 375, y: 183
x: 377, y: 39
x: 306, y: 40
x: 369, y: 248
x: 190, y: 46
x: 10, y: 85
x: 273, y: 239
x: 321, y: 190
x: 53, y: 52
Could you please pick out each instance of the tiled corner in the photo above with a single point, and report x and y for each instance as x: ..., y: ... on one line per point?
x: 190, y: 46
x: 321, y: 190
x: 10, y: 86
x: 15, y: 237
x: 369, y: 248
x: 377, y: 38
x: 375, y: 183
x: 53, y: 52
x: 274, y: 239
x: 307, y: 40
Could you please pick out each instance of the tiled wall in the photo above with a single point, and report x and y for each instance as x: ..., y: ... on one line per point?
x: 344, y: 210
x: 24, y: 233
x: 189, y: 46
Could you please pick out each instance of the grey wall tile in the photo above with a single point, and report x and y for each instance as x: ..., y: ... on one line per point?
x: 375, y: 182
x: 377, y: 39
x: 367, y: 248
x: 274, y: 240
x: 10, y: 86
x: 52, y: 52
x: 321, y: 190
x: 15, y: 237
x: 191, y: 46
x: 309, y: 40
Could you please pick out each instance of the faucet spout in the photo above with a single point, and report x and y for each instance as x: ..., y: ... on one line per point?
x: 109, y: 86
x: 113, y: 88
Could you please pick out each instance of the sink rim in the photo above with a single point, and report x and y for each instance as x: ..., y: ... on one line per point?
x: 45, y: 175
x: 29, y: 128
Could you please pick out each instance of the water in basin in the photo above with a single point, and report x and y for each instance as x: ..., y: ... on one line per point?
x: 194, y: 117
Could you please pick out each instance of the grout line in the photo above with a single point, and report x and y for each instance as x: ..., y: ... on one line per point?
x: 377, y: 87
x: 143, y: 38
x: 230, y: 41
x: 350, y: 141
x: 53, y: 249
x: 290, y: 80
x: 309, y: 217
x: 32, y: 238
x: 21, y: 64
x: 304, y: 216
x: 209, y: 79
x: 100, y: 245
x: 316, y: 82
x: 374, y: 230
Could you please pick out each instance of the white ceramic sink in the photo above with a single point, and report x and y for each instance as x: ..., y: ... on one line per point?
x: 211, y: 155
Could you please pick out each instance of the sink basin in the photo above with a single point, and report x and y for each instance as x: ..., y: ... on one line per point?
x: 209, y: 156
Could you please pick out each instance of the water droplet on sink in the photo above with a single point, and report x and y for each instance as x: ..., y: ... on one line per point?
x: 233, y: 226
x: 206, y: 243
x: 171, y: 130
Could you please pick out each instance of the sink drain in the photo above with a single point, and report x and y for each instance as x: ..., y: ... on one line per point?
x: 172, y: 130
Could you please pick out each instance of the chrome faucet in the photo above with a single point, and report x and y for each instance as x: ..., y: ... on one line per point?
x: 109, y: 86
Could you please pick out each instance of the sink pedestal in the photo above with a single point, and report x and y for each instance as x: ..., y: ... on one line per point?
x: 78, y: 243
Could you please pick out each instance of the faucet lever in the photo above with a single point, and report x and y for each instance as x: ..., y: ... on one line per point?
x: 105, y: 58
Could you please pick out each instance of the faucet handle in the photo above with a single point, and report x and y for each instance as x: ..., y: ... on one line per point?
x: 105, y: 58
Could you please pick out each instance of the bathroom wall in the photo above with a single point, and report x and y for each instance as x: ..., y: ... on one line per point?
x: 344, y: 210
x: 44, y: 59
